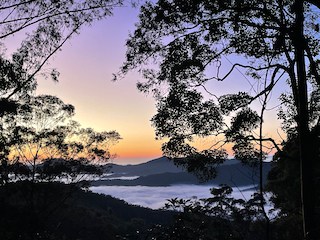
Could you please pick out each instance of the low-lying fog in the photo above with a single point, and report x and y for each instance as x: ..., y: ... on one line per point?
x: 156, y: 197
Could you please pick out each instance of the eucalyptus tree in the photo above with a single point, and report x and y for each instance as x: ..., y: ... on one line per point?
x: 43, y: 27
x: 44, y: 143
x: 12, y: 75
x: 283, y: 182
x: 176, y: 45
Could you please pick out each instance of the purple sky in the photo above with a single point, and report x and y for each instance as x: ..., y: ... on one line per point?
x: 86, y: 64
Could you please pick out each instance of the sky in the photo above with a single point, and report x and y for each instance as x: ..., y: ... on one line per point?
x: 86, y: 64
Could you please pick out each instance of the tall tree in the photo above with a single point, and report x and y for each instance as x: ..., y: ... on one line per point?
x: 282, y: 179
x: 273, y: 40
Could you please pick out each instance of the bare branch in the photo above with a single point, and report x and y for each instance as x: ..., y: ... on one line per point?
x: 278, y: 66
x: 42, y: 19
x: 16, y: 5
x: 268, y: 88
x: 17, y: 89
x: 252, y: 138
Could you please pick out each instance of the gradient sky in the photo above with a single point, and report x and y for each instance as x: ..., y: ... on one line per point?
x: 86, y: 64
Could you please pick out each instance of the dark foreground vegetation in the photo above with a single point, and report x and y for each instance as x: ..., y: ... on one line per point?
x: 65, y: 211
x: 52, y: 210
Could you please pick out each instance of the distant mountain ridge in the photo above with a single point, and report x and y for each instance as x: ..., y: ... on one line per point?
x: 163, y: 172
x: 155, y: 166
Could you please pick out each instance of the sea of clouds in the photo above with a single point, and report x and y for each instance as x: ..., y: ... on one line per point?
x: 156, y: 197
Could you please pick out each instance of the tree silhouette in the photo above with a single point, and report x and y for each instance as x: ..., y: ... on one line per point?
x: 220, y: 216
x: 273, y: 40
x: 282, y: 179
x: 48, y: 24
x: 42, y: 149
x: 42, y: 137
x: 42, y: 131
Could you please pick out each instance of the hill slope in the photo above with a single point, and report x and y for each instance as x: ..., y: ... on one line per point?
x: 61, y: 211
x: 156, y: 166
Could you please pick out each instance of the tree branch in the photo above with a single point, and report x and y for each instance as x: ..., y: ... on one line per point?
x: 270, y: 86
x: 314, y: 2
x: 17, y: 89
x: 42, y: 19
x: 16, y: 5
x: 252, y: 138
x: 277, y: 66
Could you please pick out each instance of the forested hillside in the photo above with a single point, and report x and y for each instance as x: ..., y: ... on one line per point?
x: 62, y: 211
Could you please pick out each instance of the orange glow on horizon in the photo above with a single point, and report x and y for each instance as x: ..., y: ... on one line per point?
x: 86, y: 65
x: 137, y: 146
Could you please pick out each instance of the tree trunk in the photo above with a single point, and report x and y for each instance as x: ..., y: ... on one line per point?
x: 306, y: 156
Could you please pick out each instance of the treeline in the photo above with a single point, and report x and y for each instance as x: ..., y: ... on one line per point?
x: 58, y: 211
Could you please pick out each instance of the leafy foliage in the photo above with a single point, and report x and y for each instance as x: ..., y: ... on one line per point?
x: 284, y: 183
x: 184, y: 113
x: 185, y: 39
x: 13, y: 75
x: 42, y: 142
x: 233, y: 102
x: 203, y: 164
x: 275, y: 41
x: 47, y: 25
x: 218, y: 217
